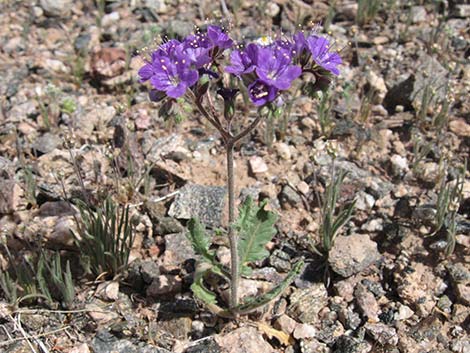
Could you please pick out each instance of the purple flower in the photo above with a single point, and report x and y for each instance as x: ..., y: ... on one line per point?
x: 172, y: 76
x: 218, y: 37
x: 243, y: 62
x: 319, y: 49
x: 261, y: 93
x: 274, y: 67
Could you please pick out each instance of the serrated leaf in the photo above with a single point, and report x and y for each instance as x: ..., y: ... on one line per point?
x: 199, y: 240
x: 255, y: 228
x: 198, y: 288
x: 253, y: 303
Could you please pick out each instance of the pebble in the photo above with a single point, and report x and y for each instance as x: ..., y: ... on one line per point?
x: 418, y: 14
x: 178, y: 249
x: 110, y: 18
x: 286, y: 324
x: 352, y: 254
x: 382, y: 333
x: 244, y: 340
x: 56, y: 7
x: 283, y: 150
x: 304, y: 331
x: 257, y: 165
x: 399, y: 165
x: 367, y: 303
x: 404, y: 313
x: 10, y: 196
x: 460, y: 127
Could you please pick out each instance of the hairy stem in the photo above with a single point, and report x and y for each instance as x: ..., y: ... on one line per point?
x: 232, y: 235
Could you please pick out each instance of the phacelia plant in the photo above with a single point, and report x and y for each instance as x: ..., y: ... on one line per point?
x: 210, y: 64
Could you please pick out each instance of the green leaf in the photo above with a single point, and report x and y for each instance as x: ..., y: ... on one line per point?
x: 198, y: 288
x: 199, y: 240
x: 253, y: 303
x: 255, y: 228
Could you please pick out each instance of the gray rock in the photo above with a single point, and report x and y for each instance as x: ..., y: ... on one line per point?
x: 349, y: 318
x: 178, y: 328
x: 330, y: 330
x: 367, y: 303
x: 347, y: 344
x: 168, y: 225
x: 56, y: 7
x: 178, y: 249
x: 207, y: 345
x: 352, y: 254
x: 10, y: 196
x: 7, y: 170
x: 289, y: 197
x: 305, y: 304
x: 382, y: 333
x: 55, y: 208
x: 203, y: 202
x: 105, y: 342
x: 408, y: 93
x: 280, y: 260
x: 461, y: 10
x: 418, y: 14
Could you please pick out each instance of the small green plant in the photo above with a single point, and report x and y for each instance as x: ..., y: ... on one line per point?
x: 448, y: 202
x: 367, y: 10
x: 255, y: 227
x: 105, y: 237
x: 332, y: 220
x: 60, y: 281
x: 68, y: 105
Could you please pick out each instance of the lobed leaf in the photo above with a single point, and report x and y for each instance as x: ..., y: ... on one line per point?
x: 255, y: 228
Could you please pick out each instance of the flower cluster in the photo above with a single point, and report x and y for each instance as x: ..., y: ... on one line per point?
x: 266, y: 67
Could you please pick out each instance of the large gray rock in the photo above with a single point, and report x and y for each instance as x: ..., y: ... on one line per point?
x: 409, y: 92
x: 352, y: 254
x: 203, y: 202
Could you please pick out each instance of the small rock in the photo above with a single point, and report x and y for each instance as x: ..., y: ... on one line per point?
x: 364, y: 201
x: 377, y: 83
x: 10, y: 196
x: 349, y: 318
x: 285, y: 324
x: 244, y: 340
x: 309, y: 123
x: 257, y: 165
x: 178, y: 328
x: 62, y: 236
x: 110, y: 18
x: 305, y: 304
x: 404, y: 313
x: 280, y: 260
x: 108, y: 62
x: 367, y: 303
x: 55, y: 65
x: 56, y: 208
x: 203, y: 202
x: 352, y: 254
x: 159, y: 6
x: 461, y: 10
x: 81, y: 348
x: 164, y: 285
x: 272, y: 9
x: 304, y: 331
x: 374, y: 225
x: 418, y: 14
x: 206, y: 345
x: 283, y: 150
x: 100, y: 314
x: 418, y: 287
x: 399, y: 165
x: 108, y: 290
x: 56, y: 7
x: 348, y: 344
x: 46, y: 143
x: 303, y: 187
x: 460, y: 127
x: 178, y: 249
x: 105, y: 342
x: 289, y: 197
x: 445, y: 304
x: 381, y: 333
